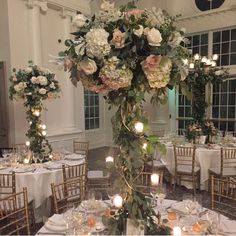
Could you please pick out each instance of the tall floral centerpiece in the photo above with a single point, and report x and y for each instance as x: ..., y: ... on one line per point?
x: 203, y: 72
x: 33, y: 85
x: 125, y: 53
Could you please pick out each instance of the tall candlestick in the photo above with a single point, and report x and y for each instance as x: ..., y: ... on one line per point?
x: 118, y: 201
x: 176, y: 231
x: 155, y: 179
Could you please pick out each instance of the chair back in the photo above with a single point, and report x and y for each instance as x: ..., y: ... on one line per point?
x: 7, y: 184
x: 144, y: 184
x: 14, y: 216
x: 184, y: 157
x: 66, y: 195
x: 223, y: 195
x: 71, y: 173
x: 81, y: 148
x: 228, y: 160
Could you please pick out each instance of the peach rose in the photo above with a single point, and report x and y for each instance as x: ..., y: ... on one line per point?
x: 118, y: 39
x: 151, y: 63
x: 87, y: 66
x: 135, y: 12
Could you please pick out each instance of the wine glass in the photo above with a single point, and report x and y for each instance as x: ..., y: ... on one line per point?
x: 161, y: 195
x: 153, y: 193
x: 188, y: 203
x: 110, y: 194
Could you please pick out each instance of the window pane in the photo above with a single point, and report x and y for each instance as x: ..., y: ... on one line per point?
x: 96, y: 123
x: 232, y: 85
x: 224, y: 48
x: 86, y: 111
x: 216, y: 48
x: 225, y: 60
x: 215, y: 112
x: 232, y: 99
x: 181, y: 124
x: 232, y: 59
x: 225, y: 35
x: 215, y: 99
x: 204, y: 39
x: 196, y: 40
x: 187, y: 111
x: 223, y: 112
x: 195, y: 50
x: 223, y: 99
x: 181, y: 111
x: 86, y: 124
x: 204, y: 50
x: 223, y: 126
x: 231, y: 113
x: 96, y: 111
x: 233, y: 34
x: 233, y: 47
x: 216, y: 37
x: 231, y: 126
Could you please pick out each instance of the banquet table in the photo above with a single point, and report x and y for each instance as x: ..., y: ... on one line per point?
x: 38, y: 178
x: 206, y: 158
x: 56, y: 225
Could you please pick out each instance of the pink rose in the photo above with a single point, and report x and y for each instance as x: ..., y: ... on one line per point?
x: 118, y: 39
x: 151, y: 63
x: 135, y: 12
x: 89, y: 66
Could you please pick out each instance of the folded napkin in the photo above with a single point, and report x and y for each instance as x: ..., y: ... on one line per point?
x: 74, y: 156
x: 228, y: 226
x: 179, y: 207
x: 56, y: 223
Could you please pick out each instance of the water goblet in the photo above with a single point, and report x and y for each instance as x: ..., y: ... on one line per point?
x: 161, y: 195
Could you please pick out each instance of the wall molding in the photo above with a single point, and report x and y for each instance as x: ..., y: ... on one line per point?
x: 209, y: 13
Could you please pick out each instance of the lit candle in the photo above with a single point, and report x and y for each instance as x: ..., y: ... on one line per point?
x: 176, y: 231
x: 43, y: 126
x: 196, y: 57
x: 36, y: 113
x: 138, y: 127
x: 109, y: 159
x: 118, y: 201
x: 44, y: 133
x: 191, y: 65
x: 215, y: 57
x: 26, y: 161
x: 27, y: 143
x: 155, y: 179
x: 204, y: 60
x: 50, y: 156
x: 145, y: 146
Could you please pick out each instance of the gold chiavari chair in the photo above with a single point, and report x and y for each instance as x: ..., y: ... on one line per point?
x: 72, y: 173
x: 144, y: 182
x: 8, y: 186
x: 81, y: 148
x: 98, y: 181
x: 185, y: 166
x: 227, y: 164
x: 66, y: 195
x: 223, y: 195
x: 14, y: 218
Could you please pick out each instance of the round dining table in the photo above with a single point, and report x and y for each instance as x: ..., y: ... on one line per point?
x: 37, y: 178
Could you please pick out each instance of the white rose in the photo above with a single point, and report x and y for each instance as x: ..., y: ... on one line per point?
x: 42, y: 80
x: 79, y: 20
x: 42, y: 91
x: 139, y: 31
x: 52, y: 85
x: 28, y: 69
x: 17, y: 88
x: 154, y: 37
x: 107, y: 6
x: 34, y: 80
x: 88, y: 66
x: 219, y: 72
x: 175, y: 39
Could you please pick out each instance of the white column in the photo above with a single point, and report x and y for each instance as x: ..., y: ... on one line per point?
x: 34, y: 26
x: 68, y: 96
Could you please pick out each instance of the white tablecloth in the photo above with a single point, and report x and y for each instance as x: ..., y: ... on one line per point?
x: 38, y: 182
x: 205, y: 158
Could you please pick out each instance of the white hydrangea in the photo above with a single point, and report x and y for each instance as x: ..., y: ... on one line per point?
x: 28, y: 69
x: 156, y: 17
x: 42, y: 80
x: 97, y: 44
x: 79, y: 20
x: 108, y: 12
x: 42, y: 91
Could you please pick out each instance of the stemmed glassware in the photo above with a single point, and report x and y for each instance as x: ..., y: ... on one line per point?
x: 161, y: 195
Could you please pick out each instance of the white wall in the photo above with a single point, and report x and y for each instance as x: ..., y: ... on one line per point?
x: 32, y: 34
